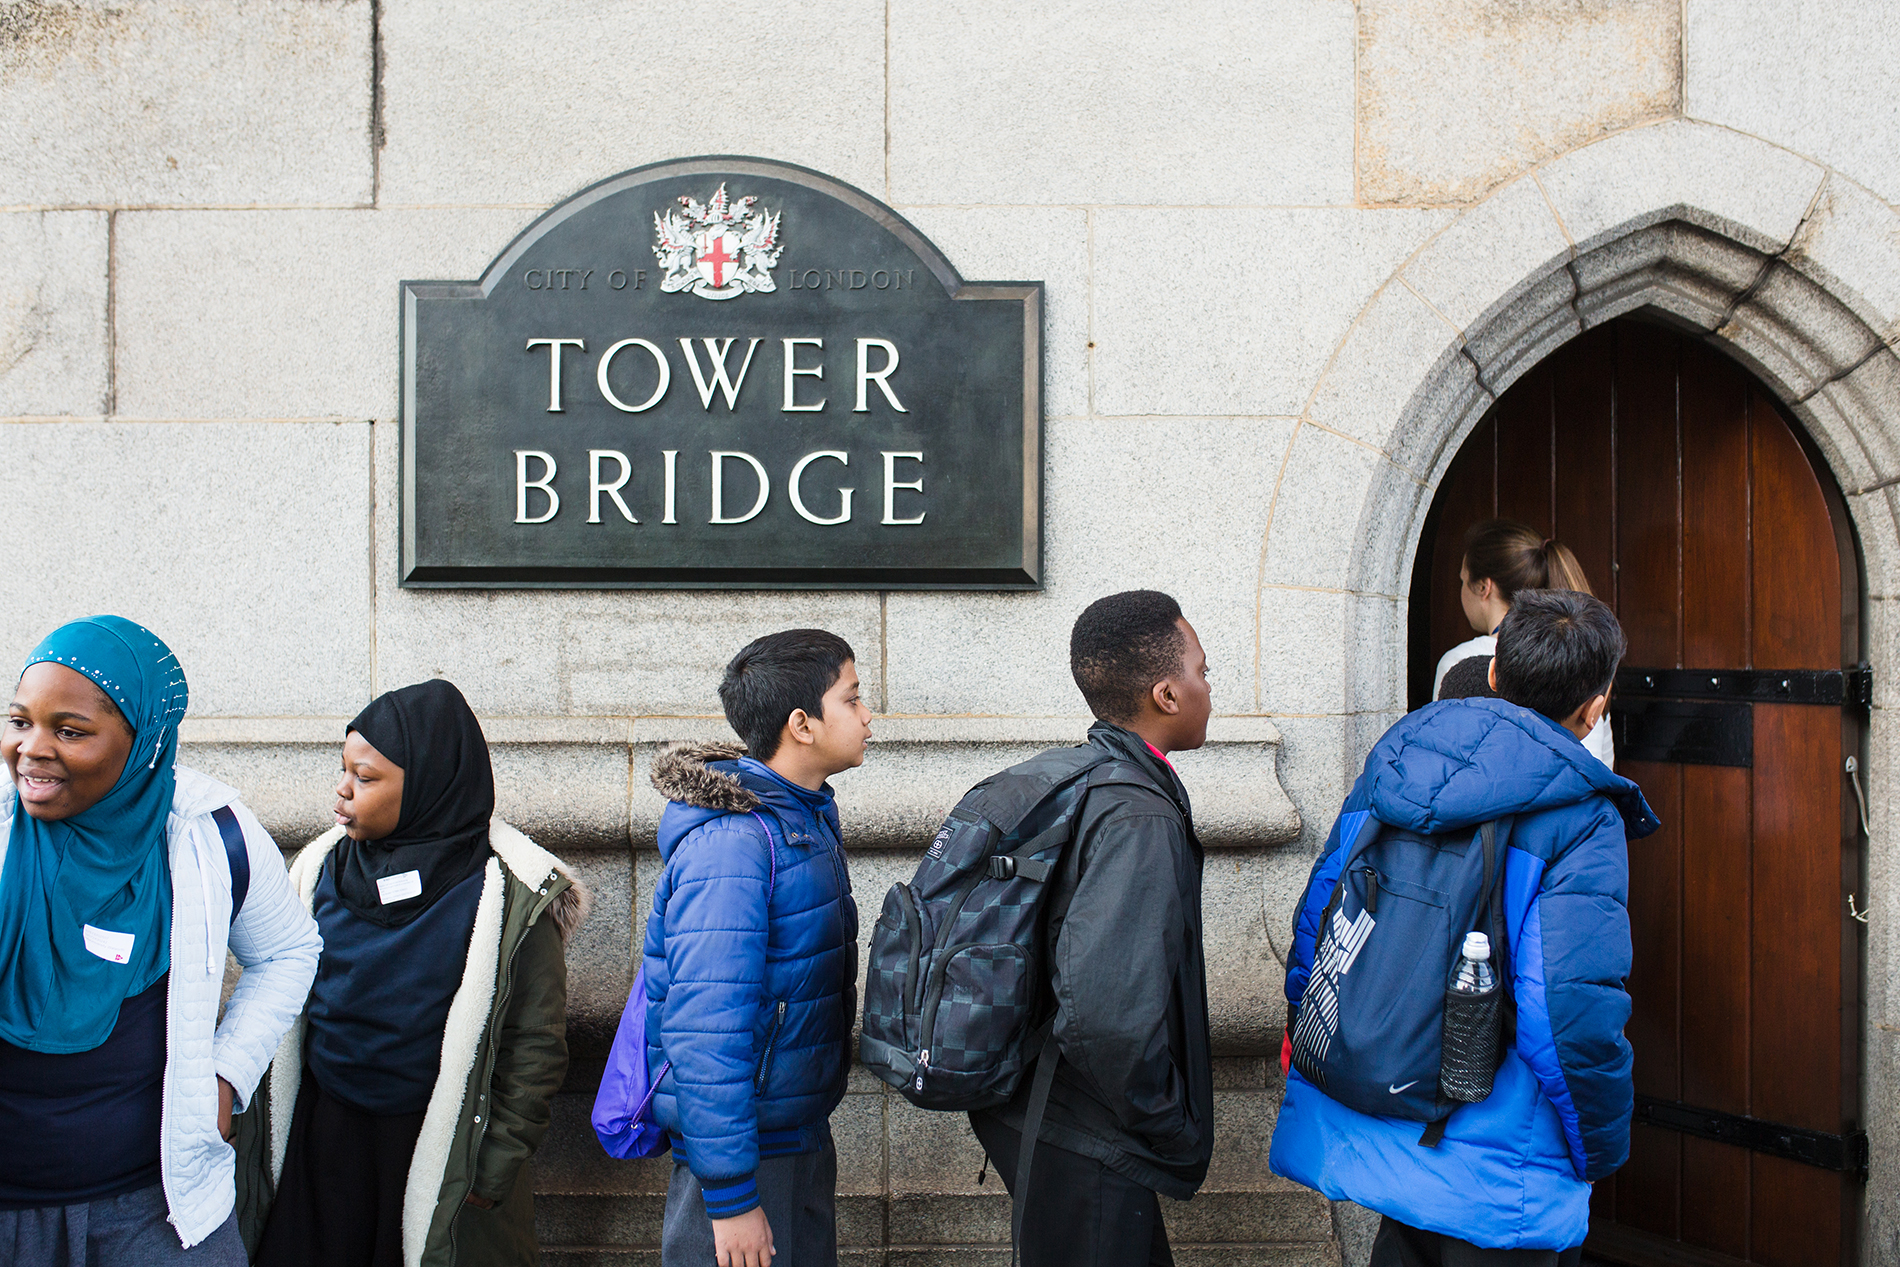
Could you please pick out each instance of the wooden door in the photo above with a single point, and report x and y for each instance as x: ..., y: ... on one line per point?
x: 1700, y: 515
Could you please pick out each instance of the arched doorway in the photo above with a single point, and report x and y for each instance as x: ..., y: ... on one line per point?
x: 1701, y: 514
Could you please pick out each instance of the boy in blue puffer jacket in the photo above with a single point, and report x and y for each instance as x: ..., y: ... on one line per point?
x: 751, y: 960
x: 1509, y: 1182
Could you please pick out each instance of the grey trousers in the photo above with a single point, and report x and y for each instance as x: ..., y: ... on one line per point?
x: 123, y: 1231
x: 798, y: 1195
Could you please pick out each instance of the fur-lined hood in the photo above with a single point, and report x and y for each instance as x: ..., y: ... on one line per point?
x: 682, y: 773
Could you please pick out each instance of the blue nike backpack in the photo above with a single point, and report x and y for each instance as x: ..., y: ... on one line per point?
x: 1373, y: 1029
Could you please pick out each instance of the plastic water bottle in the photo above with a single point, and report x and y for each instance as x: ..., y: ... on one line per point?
x: 1474, y: 974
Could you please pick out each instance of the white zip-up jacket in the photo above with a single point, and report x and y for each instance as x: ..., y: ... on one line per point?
x: 275, y: 941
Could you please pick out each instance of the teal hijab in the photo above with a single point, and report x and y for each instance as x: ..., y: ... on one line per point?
x: 105, y: 868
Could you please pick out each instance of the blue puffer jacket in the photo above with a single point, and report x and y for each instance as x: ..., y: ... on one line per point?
x: 753, y: 1006
x: 1513, y: 1171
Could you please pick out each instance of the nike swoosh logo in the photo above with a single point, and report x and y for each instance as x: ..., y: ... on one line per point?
x: 1395, y: 1090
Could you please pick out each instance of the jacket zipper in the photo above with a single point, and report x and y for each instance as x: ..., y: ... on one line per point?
x: 929, y: 1001
x: 771, y: 1041
x: 504, y: 991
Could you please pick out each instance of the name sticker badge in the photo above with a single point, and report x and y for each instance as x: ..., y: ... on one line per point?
x: 108, y: 945
x: 400, y: 888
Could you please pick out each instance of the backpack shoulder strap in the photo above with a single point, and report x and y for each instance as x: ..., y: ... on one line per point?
x: 236, y: 854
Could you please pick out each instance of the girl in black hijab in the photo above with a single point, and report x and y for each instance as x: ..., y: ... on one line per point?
x: 444, y: 932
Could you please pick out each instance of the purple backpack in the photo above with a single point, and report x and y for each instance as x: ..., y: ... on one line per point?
x: 623, y: 1106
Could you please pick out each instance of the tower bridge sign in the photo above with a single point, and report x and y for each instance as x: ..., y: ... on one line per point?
x: 721, y: 372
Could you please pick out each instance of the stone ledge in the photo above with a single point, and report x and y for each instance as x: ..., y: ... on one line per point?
x: 580, y: 784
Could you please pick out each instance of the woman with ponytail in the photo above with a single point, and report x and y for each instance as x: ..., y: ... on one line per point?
x: 1502, y: 557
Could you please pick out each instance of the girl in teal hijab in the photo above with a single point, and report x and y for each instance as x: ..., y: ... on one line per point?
x: 85, y: 900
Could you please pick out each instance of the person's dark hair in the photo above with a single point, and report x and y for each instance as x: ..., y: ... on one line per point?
x: 1517, y: 557
x: 1556, y: 649
x: 1470, y: 678
x: 775, y: 675
x: 1121, y: 646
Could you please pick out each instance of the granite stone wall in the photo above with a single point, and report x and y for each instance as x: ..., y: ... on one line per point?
x: 1292, y: 249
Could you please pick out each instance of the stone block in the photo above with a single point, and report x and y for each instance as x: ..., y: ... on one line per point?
x: 186, y: 102
x: 571, y: 1161
x: 1795, y: 334
x: 1541, y: 318
x: 1356, y: 1228
x: 1316, y: 771
x: 1820, y: 79
x: 567, y: 796
x: 1269, y: 320
x: 1275, y: 1254
x: 938, y: 1219
x: 279, y: 314
x: 52, y: 312
x: 231, y: 542
x: 1492, y: 254
x: 1282, y: 888
x: 1876, y: 516
x: 1454, y: 99
x: 289, y: 786
x: 1310, y: 541
x: 1850, y: 244
x: 1215, y: 1217
x: 1438, y: 418
x: 1240, y: 1073
x: 600, y: 956
x: 1243, y: 1135
x: 1734, y: 184
x: 1019, y: 663
x: 594, y: 1256
x: 527, y: 104
x: 1395, y: 348
x: 1691, y: 272
x: 1375, y: 666
x: 1849, y: 420
x: 1046, y: 244
x: 931, y: 1152
x: 588, y: 1220
x: 1238, y: 106
x: 1246, y: 1005
x: 1302, y: 651
x: 857, y: 1128
x: 946, y: 1256
x: 860, y: 1219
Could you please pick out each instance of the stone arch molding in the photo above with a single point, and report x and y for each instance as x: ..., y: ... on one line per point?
x: 1787, y: 266
x: 1791, y: 268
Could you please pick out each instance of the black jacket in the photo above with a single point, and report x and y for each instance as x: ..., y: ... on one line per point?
x: 1134, y: 1088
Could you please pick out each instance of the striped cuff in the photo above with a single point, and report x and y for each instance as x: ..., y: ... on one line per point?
x: 728, y: 1198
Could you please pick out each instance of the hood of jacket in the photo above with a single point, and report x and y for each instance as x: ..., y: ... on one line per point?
x: 1458, y: 763
x: 704, y: 781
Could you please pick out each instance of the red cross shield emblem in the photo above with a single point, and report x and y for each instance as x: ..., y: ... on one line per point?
x: 716, y: 257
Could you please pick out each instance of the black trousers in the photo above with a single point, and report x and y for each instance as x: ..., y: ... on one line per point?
x: 339, y: 1201
x: 1399, y: 1245
x: 1078, y: 1212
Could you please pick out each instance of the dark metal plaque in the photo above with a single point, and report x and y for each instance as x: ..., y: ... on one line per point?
x: 1836, y: 687
x: 722, y: 372
x: 1846, y: 1152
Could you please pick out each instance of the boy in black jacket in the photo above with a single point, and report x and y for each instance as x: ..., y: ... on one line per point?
x: 1130, y: 1114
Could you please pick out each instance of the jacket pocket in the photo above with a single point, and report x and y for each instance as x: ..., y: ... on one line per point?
x: 771, y: 1045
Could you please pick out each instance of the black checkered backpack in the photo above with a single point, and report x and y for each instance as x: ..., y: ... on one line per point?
x: 956, y: 998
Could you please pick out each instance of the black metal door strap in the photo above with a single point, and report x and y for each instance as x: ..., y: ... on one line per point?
x: 1852, y: 687
x: 1843, y: 1153
x: 1683, y: 732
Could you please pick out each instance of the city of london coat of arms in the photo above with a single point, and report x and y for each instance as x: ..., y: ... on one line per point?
x: 718, y: 249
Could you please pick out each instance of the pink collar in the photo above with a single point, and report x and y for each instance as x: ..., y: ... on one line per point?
x: 1159, y: 753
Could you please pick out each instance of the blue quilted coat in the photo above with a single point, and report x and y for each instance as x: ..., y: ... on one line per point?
x: 753, y: 1006
x: 1514, y: 1170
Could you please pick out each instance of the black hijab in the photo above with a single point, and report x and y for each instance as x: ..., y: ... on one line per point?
x: 448, y: 796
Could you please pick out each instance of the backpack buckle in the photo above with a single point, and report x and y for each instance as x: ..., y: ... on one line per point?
x: 1001, y: 867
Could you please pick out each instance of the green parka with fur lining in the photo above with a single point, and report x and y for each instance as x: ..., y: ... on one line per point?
x: 504, y: 1054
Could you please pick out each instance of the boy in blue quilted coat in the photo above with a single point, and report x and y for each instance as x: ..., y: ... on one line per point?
x: 751, y: 960
x: 1509, y: 1183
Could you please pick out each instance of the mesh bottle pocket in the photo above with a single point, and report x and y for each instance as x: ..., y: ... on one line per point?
x: 1471, y: 1044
